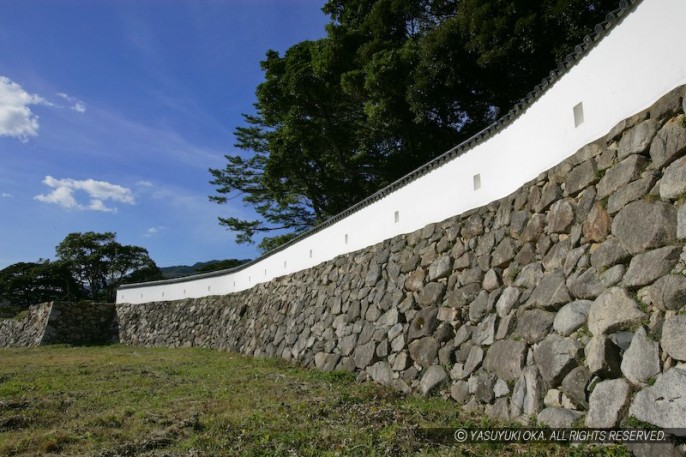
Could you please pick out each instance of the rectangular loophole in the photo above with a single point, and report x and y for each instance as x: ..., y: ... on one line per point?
x: 477, y: 181
x: 396, y: 217
x: 284, y: 264
x: 346, y: 238
x: 310, y: 253
x: 578, y: 114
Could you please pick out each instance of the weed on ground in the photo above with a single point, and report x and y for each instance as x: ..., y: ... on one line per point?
x: 130, y: 401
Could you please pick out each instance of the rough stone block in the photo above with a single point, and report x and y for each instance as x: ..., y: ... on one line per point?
x: 609, y: 253
x: 669, y: 143
x: 674, y: 337
x: 484, y: 384
x: 597, y: 224
x: 474, y: 359
x: 641, y: 361
x: 559, y: 417
x: 649, y: 266
x: 668, y: 105
x: 620, y: 175
x: 460, y: 392
x: 424, y: 351
x: 506, y: 301
x: 613, y: 310
x: 381, y: 372
x: 629, y: 193
x: 431, y: 294
x: 642, y: 225
x: 664, y: 403
x: 423, y: 324
x: 560, y: 216
x: 504, y: 253
x: 440, y: 268
x: 551, y: 292
x: 506, y: 359
x: 484, y: 334
x: 637, y: 139
x: 433, y: 377
x: 673, y: 182
x: 574, y: 386
x: 669, y: 292
x: 681, y: 222
x: 606, y: 403
x: 527, y: 394
x: 571, y: 316
x: 534, y: 325
x: 555, y: 357
x: 534, y: 228
x: 586, y: 285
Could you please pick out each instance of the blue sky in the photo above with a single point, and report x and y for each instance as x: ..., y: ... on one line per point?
x: 112, y: 111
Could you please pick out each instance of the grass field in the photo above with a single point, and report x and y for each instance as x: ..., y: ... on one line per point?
x: 129, y: 401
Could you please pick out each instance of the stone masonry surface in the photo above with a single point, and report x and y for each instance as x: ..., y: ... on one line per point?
x: 564, y: 301
x: 61, y: 323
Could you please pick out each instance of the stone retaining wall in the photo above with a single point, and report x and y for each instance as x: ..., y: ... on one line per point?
x: 61, y: 323
x: 26, y: 331
x: 81, y: 323
x: 565, y: 301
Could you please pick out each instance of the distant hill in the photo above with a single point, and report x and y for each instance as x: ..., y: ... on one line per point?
x: 179, y: 271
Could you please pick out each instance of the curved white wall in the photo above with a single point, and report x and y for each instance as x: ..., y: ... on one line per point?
x: 640, y: 60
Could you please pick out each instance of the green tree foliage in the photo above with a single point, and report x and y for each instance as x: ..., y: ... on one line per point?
x: 220, y: 265
x: 101, y: 264
x: 392, y: 85
x: 28, y: 283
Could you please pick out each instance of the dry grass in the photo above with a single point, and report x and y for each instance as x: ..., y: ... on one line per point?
x: 125, y: 401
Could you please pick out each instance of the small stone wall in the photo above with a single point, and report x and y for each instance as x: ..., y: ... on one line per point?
x: 81, y: 323
x: 564, y: 301
x: 27, y: 331
x: 61, y: 323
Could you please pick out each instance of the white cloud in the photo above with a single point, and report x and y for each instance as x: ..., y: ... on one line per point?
x: 98, y: 191
x: 16, y: 118
x: 144, y: 184
x: 6, y: 195
x: 152, y: 231
x: 77, y: 105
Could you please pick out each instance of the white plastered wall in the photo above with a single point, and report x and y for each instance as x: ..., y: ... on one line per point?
x: 640, y: 60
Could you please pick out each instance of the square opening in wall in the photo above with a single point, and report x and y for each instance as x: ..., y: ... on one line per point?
x: 578, y: 114
x: 477, y: 181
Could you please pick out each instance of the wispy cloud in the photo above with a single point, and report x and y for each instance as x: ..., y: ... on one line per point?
x: 97, y: 191
x: 77, y: 105
x: 6, y: 195
x: 16, y: 118
x: 144, y: 184
x: 152, y: 231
